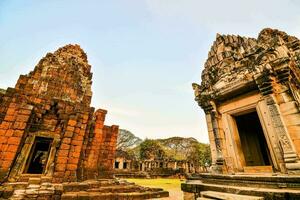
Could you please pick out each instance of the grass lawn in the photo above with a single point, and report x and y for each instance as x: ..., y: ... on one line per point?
x: 171, y: 185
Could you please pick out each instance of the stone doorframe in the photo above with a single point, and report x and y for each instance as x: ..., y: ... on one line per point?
x: 247, y: 104
x: 22, y: 158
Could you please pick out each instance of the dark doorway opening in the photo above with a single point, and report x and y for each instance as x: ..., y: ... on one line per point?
x: 125, y: 165
x: 253, y: 141
x: 38, y: 156
x: 161, y: 165
x: 116, y: 165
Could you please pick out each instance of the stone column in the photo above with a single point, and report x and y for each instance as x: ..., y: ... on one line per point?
x: 291, y: 160
x: 121, y: 164
x: 143, y: 166
x: 212, y: 122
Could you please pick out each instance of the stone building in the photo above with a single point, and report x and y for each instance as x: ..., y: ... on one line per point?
x: 49, y: 133
x: 250, y: 95
x: 123, y: 161
x: 128, y: 166
x: 174, y: 166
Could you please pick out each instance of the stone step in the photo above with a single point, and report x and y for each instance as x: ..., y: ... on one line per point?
x: 116, y: 188
x: 113, y: 196
x: 267, y: 193
x: 82, y: 186
x: 227, y: 196
x: 16, y: 185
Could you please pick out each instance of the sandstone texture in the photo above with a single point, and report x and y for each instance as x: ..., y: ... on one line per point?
x: 250, y: 95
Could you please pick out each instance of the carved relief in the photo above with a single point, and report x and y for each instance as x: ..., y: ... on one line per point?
x: 270, y: 65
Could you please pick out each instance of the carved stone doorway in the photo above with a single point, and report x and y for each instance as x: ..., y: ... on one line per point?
x: 253, y: 141
x: 38, y: 156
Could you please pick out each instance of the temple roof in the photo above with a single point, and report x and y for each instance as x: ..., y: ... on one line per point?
x: 234, y: 61
x: 231, y: 54
x: 64, y: 74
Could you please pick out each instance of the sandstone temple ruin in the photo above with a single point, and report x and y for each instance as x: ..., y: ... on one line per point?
x: 128, y: 166
x: 53, y: 144
x: 251, y: 98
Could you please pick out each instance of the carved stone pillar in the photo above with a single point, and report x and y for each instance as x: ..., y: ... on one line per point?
x: 217, y: 165
x: 205, y: 101
x: 291, y: 160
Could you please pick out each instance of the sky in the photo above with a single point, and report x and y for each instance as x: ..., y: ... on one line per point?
x: 145, y: 54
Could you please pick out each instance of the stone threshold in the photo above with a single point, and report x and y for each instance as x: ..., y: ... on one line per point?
x: 197, y: 187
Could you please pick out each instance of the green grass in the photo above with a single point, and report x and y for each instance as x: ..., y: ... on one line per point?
x: 166, y: 184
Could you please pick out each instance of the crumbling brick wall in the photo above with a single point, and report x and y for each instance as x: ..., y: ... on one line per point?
x: 53, y: 101
x: 100, y: 148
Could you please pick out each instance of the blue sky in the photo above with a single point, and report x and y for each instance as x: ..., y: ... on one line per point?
x: 144, y: 53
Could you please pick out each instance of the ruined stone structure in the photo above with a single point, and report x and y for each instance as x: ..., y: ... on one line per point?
x: 128, y: 166
x: 176, y: 166
x: 47, y: 124
x: 123, y: 161
x: 250, y: 95
x: 49, y: 134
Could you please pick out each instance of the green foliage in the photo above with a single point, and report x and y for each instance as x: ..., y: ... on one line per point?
x: 200, y: 154
x: 178, y: 148
x: 174, y: 148
x: 204, y: 154
x: 151, y: 149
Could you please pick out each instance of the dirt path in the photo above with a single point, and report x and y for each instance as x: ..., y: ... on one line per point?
x: 170, y: 185
x: 175, y: 194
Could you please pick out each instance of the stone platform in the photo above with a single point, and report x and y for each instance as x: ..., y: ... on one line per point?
x: 266, y: 186
x: 102, y: 189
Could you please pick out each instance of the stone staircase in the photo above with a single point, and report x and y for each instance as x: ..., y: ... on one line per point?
x: 212, y: 195
x: 102, y: 189
x: 266, y: 186
x: 32, y: 188
x: 110, y: 189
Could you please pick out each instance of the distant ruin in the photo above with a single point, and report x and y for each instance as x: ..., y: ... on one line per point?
x: 52, y: 143
x: 250, y: 95
x: 130, y: 167
x: 153, y: 158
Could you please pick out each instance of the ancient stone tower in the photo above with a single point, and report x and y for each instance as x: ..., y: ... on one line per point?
x: 53, y: 145
x: 47, y: 126
x: 250, y: 95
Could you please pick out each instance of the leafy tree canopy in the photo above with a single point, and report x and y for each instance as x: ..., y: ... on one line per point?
x: 175, y: 148
x: 151, y: 149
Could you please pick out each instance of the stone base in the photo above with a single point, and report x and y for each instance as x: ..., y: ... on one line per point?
x: 90, y: 189
x: 255, y: 186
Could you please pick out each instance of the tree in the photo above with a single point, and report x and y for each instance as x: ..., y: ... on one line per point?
x: 200, y: 154
x: 127, y: 140
x: 205, y: 154
x: 151, y: 149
